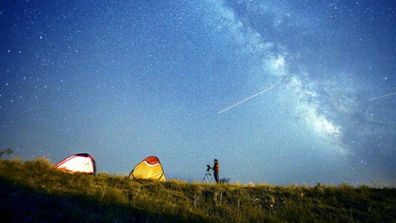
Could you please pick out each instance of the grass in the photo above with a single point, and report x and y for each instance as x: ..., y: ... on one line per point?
x: 33, y: 191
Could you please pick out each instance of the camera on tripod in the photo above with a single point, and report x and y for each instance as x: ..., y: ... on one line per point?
x: 207, y: 177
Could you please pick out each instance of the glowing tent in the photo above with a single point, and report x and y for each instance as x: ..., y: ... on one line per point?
x: 78, y: 163
x: 148, y: 169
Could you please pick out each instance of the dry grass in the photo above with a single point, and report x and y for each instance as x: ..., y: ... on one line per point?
x: 34, y: 191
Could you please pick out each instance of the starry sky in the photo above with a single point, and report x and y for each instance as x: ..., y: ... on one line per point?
x: 313, y: 84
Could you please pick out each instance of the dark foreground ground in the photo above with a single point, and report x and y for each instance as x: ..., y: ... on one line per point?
x: 33, y: 192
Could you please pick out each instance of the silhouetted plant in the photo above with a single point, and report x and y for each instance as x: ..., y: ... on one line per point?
x: 6, y: 152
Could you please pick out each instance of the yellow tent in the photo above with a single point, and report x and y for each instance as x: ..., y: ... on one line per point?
x: 148, y: 169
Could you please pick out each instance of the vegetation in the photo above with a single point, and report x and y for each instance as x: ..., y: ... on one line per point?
x: 6, y: 152
x: 33, y: 191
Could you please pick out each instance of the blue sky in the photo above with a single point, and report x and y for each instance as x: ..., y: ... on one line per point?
x: 125, y: 80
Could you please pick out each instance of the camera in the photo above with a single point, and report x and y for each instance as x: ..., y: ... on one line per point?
x: 208, y: 168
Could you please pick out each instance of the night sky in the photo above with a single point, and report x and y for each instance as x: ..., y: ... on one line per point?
x: 281, y: 92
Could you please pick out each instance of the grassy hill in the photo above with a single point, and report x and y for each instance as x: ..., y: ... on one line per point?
x: 33, y: 192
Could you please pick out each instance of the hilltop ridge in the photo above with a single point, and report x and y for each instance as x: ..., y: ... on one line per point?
x: 33, y: 191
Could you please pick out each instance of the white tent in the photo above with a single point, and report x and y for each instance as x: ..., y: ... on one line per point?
x: 78, y: 163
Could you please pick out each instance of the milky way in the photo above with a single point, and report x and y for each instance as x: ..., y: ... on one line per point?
x: 122, y: 81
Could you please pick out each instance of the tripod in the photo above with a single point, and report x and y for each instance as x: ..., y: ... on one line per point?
x: 207, y: 177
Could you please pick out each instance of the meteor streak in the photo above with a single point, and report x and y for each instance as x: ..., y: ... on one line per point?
x: 247, y: 99
x: 382, y: 96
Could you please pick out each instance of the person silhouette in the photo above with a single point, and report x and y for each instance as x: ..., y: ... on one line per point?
x: 216, y: 170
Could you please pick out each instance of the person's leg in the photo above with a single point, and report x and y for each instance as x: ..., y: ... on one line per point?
x: 216, y: 175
